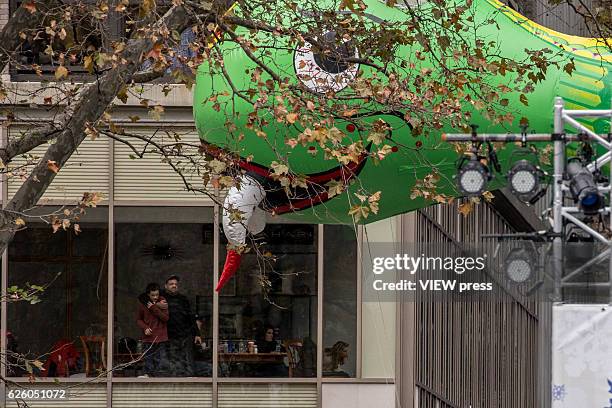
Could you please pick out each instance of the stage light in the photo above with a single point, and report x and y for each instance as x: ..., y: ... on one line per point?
x: 519, y: 265
x: 472, y: 178
x: 584, y: 189
x: 524, y: 180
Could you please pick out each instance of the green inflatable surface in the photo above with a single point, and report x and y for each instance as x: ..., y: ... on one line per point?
x: 588, y: 87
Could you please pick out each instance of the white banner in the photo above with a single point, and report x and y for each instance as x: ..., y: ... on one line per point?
x: 582, y: 356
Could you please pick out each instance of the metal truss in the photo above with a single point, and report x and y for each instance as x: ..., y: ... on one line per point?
x: 562, y: 214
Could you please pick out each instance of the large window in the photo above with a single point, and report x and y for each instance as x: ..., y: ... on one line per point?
x: 163, y: 291
x: 66, y: 330
x: 57, y: 42
x: 268, y: 311
x: 163, y: 303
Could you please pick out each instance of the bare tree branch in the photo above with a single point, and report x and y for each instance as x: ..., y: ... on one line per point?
x: 92, y: 102
x: 22, y: 18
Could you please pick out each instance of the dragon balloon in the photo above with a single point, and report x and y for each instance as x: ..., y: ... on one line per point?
x: 412, y: 156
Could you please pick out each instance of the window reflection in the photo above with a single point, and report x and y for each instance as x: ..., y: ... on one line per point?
x: 268, y: 311
x: 163, y: 292
x: 66, y: 332
x: 340, y: 301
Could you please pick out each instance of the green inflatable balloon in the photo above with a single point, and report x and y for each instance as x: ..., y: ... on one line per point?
x: 587, y: 87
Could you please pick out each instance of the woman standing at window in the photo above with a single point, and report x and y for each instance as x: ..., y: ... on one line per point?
x: 152, y: 319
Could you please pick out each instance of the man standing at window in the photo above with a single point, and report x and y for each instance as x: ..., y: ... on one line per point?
x: 182, y: 330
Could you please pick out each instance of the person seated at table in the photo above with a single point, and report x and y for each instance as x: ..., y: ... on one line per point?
x: 335, y: 357
x: 152, y: 318
x: 267, y: 344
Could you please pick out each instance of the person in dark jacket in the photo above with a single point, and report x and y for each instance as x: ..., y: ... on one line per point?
x: 182, y: 330
x: 152, y: 318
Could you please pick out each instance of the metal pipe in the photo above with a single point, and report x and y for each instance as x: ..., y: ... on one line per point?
x: 585, y: 227
x: 510, y: 137
x: 581, y: 268
x: 577, y: 210
x: 559, y: 167
x: 588, y: 131
x: 587, y: 112
x: 610, y: 201
x: 601, y: 161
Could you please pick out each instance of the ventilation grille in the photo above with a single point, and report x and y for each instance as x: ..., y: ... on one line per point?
x: 267, y: 396
x: 162, y: 395
x: 86, y: 171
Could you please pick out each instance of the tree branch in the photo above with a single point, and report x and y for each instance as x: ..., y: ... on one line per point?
x: 91, y: 103
x: 21, y: 20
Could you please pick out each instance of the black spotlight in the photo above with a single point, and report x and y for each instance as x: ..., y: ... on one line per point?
x: 520, y: 264
x: 584, y: 189
x: 524, y: 180
x: 472, y: 178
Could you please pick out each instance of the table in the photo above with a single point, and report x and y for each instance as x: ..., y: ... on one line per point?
x: 278, y: 358
x: 127, y: 362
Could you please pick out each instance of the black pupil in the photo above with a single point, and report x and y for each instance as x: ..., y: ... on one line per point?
x: 333, y: 61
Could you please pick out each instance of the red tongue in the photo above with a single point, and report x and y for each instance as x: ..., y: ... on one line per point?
x: 232, y: 262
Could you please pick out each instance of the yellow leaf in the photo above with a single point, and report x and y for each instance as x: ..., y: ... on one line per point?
x: 279, y: 168
x: 488, y: 196
x: 91, y: 132
x: 466, y: 208
x: 19, y: 222
x: 61, y: 72
x: 88, y: 64
x: 291, y: 117
x: 334, y: 188
x: 38, y: 364
x: 359, y: 211
x: 217, y: 166
x: 122, y: 94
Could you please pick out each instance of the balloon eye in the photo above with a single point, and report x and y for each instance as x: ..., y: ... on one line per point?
x: 334, y: 61
x: 326, y: 71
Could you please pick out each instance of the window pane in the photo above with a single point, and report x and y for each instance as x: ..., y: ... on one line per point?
x: 339, y: 301
x: 67, y: 43
x: 66, y: 331
x: 378, y: 317
x: 268, y: 310
x: 169, y: 326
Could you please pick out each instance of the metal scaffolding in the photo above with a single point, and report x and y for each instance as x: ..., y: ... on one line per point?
x: 562, y: 214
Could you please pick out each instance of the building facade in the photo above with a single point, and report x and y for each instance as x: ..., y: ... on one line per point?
x: 335, y: 348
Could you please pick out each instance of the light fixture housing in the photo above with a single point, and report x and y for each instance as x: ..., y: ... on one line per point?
x: 584, y: 188
x: 524, y: 180
x: 472, y: 178
x: 519, y: 265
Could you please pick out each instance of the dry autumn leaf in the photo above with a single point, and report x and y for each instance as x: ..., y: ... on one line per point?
x: 466, y: 208
x: 52, y: 165
x: 291, y: 117
x: 61, y: 72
